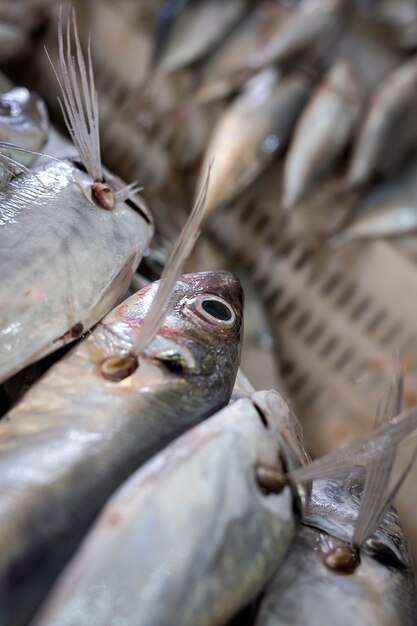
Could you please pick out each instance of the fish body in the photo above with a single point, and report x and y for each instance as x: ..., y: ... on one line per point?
x: 389, y: 131
x: 323, y: 131
x: 250, y: 133
x: 76, y: 435
x: 389, y: 210
x: 184, y: 37
x: 313, y: 21
x: 24, y: 122
x: 380, y: 592
x: 228, y: 68
x: 65, y: 260
x: 191, y: 537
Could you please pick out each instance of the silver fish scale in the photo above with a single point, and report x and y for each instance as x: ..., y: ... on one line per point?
x: 337, y: 321
x: 49, y: 226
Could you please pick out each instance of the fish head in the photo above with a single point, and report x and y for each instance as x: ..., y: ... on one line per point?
x: 287, y: 434
x: 199, y: 341
x: 333, y: 509
x: 202, y: 332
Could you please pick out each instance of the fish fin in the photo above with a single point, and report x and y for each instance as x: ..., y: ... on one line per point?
x: 127, y: 192
x: 5, y: 145
x: 374, y: 496
x: 79, y: 102
x: 380, y: 506
x: 180, y: 252
x: 355, y: 456
x: 10, y: 165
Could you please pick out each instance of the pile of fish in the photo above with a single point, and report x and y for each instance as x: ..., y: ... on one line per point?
x: 144, y: 480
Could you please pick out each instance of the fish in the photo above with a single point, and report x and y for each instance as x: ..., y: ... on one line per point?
x: 252, y: 131
x: 350, y: 561
x: 388, y: 210
x: 98, y: 414
x: 71, y: 234
x: 23, y: 121
x: 194, y: 534
x: 379, y: 592
x: 389, y: 131
x: 228, y: 68
x: 188, y: 30
x: 313, y: 21
x: 323, y: 131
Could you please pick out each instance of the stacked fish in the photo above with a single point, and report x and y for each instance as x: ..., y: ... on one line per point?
x: 105, y: 517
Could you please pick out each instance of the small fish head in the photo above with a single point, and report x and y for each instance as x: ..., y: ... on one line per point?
x: 287, y: 431
x: 200, y: 338
x: 203, y: 330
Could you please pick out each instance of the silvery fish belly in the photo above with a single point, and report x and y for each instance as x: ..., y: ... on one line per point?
x: 193, y: 535
x: 65, y: 260
x: 379, y: 592
x: 24, y: 122
x: 77, y: 435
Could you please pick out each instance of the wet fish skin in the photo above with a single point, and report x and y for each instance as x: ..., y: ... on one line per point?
x: 148, y: 560
x: 24, y: 122
x: 380, y: 592
x: 323, y: 131
x: 76, y: 436
x: 194, y: 31
x: 389, y: 131
x: 250, y: 134
x: 65, y: 260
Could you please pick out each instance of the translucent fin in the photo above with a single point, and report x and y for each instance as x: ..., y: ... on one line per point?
x: 353, y: 457
x: 378, y: 473
x: 5, y: 146
x: 10, y: 166
x: 79, y: 97
x: 128, y: 191
x: 173, y: 269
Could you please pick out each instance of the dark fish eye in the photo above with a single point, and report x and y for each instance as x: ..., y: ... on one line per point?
x: 80, y: 166
x: 214, y: 309
x: 217, y: 309
x: 384, y: 554
x: 5, y: 109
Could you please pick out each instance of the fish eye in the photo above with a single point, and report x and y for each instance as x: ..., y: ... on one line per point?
x: 384, y: 554
x: 213, y: 308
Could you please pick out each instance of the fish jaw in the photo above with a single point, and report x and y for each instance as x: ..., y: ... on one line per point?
x: 66, y: 261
